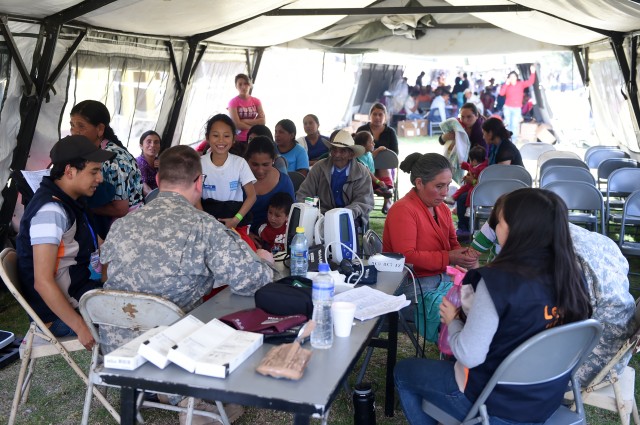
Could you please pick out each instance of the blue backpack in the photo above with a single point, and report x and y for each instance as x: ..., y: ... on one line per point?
x: 427, y: 313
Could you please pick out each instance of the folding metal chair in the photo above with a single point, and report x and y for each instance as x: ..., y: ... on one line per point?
x: 621, y: 183
x: 612, y: 391
x: 484, y: 196
x: 532, y: 151
x: 593, y: 149
x: 567, y: 162
x: 102, y: 307
x: 531, y: 364
x: 580, y: 197
x: 544, y: 157
x: 567, y: 173
x: 594, y: 159
x: 608, y: 166
x: 388, y: 160
x: 296, y: 178
x: 630, y: 215
x: 509, y: 172
x: 39, y: 341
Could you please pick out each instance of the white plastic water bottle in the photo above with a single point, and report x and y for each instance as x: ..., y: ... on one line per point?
x: 299, y: 250
x: 322, y: 296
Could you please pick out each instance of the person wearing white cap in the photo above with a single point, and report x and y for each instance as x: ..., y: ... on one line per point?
x: 340, y: 181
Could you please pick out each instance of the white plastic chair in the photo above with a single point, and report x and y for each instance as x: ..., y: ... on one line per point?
x: 39, y: 341
x: 531, y: 364
x: 138, y: 313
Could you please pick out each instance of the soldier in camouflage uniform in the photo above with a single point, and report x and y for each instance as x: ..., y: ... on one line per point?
x: 170, y: 248
x: 605, y: 269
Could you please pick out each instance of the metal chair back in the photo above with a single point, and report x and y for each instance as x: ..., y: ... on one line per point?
x: 502, y: 172
x: 596, y: 157
x: 582, y: 197
x: 485, y: 195
x: 608, y: 166
x: 567, y: 162
x: 532, y: 151
x: 566, y: 173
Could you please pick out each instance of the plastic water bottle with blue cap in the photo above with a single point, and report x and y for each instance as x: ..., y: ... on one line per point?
x: 322, y: 297
x: 299, y: 251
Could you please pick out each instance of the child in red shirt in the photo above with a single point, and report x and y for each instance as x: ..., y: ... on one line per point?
x: 274, y: 232
x: 474, y: 167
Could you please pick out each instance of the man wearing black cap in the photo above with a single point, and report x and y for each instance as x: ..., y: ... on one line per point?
x: 58, y: 257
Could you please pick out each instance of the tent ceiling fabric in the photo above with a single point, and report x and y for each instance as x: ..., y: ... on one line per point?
x: 183, y: 18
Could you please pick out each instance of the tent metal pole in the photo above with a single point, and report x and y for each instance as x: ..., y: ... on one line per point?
x: 203, y: 49
x: 29, y: 111
x: 257, y: 59
x: 65, y: 59
x: 580, y: 64
x: 14, y: 53
x: 182, y: 83
x: 398, y: 10
x: 617, y: 45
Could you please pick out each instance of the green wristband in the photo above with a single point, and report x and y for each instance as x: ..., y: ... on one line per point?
x: 239, y: 216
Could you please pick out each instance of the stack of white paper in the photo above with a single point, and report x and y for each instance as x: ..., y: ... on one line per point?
x: 215, y: 349
x: 156, y: 349
x: 127, y: 356
x: 371, y: 302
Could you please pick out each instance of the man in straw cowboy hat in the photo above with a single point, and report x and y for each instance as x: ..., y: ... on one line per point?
x: 340, y: 181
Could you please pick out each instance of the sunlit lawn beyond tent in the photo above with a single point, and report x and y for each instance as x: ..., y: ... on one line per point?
x: 57, y: 393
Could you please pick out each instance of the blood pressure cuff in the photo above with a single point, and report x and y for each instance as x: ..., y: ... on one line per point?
x: 287, y: 296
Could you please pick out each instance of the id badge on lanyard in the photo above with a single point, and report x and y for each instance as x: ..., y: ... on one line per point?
x: 95, y: 267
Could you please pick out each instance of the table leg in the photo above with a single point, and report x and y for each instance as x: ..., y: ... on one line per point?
x: 128, y: 406
x: 392, y: 352
x: 299, y: 419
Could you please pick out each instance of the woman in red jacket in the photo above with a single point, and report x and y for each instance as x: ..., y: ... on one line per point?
x: 420, y: 226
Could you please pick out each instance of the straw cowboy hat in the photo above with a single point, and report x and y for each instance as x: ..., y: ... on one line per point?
x: 343, y: 139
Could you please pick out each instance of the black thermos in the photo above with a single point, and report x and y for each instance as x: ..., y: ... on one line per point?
x: 364, y: 405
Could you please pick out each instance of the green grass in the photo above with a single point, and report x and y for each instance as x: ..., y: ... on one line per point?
x: 57, y: 394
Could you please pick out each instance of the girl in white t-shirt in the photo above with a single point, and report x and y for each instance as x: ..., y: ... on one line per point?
x: 226, y: 174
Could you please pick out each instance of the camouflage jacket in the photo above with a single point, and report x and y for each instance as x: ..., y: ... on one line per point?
x: 170, y: 248
x: 605, y: 269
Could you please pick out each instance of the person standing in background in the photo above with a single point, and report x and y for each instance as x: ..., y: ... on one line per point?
x: 513, y: 91
x: 244, y: 109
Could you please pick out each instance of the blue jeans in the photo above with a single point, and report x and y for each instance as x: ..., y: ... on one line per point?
x: 512, y: 120
x: 434, y: 381
x: 59, y: 328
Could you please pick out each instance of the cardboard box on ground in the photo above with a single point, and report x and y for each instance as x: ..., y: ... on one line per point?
x: 413, y: 128
x: 533, y: 131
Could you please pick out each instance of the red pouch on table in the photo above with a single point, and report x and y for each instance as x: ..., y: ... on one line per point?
x: 257, y: 320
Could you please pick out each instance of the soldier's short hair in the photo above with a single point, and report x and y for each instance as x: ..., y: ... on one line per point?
x: 179, y: 165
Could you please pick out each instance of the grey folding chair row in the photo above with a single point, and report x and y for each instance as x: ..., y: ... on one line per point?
x: 531, y: 364
x: 580, y: 197
x: 509, y: 172
x: 484, y: 196
x: 597, y: 148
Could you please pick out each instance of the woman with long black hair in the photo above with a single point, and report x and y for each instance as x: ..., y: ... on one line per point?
x: 533, y: 284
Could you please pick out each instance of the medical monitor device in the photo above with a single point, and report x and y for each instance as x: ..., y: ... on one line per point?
x: 339, y: 226
x: 305, y: 215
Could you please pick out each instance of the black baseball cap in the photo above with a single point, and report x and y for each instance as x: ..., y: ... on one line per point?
x: 77, y: 147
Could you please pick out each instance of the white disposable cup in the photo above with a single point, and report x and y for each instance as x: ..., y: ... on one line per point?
x: 342, y: 313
